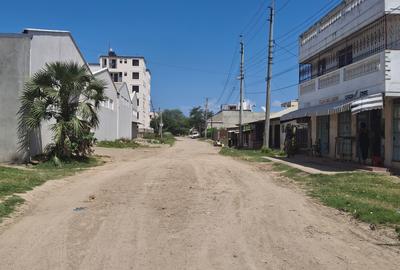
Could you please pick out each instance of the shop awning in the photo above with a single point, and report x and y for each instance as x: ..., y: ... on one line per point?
x: 367, y: 103
x: 319, y: 110
x: 372, y: 102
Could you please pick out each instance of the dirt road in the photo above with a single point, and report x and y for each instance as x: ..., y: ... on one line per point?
x: 184, y: 207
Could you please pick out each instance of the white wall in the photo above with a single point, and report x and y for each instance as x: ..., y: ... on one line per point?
x: 108, y: 127
x: 373, y: 82
x: 125, y: 117
x: 47, y: 47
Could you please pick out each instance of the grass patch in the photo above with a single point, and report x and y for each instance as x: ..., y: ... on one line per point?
x: 121, y: 143
x: 167, y: 138
x: 369, y: 197
x: 14, y: 181
x: 248, y: 155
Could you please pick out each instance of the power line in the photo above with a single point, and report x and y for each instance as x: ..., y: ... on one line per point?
x: 256, y: 15
x: 229, y: 74
x: 284, y: 5
x: 274, y: 90
x: 310, y: 18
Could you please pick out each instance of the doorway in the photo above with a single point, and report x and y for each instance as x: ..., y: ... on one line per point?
x: 372, y: 121
x: 323, y: 123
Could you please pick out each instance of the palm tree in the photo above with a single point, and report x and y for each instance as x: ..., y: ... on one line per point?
x: 67, y: 94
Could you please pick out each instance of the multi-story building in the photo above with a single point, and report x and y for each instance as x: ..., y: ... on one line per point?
x: 349, y: 61
x: 133, y: 71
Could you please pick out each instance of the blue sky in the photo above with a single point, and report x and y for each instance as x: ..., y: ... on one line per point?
x: 189, y: 45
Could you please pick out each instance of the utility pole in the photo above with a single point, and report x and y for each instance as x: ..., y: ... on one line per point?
x: 205, y: 118
x: 161, y: 123
x: 266, y: 143
x: 241, y: 92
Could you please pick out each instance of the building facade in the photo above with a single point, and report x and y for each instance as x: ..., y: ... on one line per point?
x: 348, y: 84
x: 21, y: 56
x: 117, y: 114
x: 24, y: 54
x: 133, y: 71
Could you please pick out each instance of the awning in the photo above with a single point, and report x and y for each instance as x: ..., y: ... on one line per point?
x: 319, y: 110
x: 367, y: 103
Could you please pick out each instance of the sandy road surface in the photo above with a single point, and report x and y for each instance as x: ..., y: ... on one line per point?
x: 183, y: 207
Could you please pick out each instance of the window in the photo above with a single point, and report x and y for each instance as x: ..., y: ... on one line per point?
x: 116, y: 76
x: 305, y: 72
x: 345, y: 56
x: 125, y: 74
x: 113, y: 63
x: 135, y: 88
x: 137, y: 115
x: 135, y: 62
x: 104, y: 62
x: 120, y: 61
x: 138, y: 102
x: 125, y: 61
x: 321, y: 67
x: 135, y: 75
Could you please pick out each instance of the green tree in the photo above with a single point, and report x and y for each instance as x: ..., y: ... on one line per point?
x: 174, y: 121
x: 197, y: 118
x: 66, y: 93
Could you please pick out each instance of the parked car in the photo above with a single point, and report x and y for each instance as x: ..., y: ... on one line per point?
x: 195, y: 135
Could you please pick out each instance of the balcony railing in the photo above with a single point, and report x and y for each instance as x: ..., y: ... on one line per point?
x: 345, y: 74
x: 329, y: 80
x: 362, y: 69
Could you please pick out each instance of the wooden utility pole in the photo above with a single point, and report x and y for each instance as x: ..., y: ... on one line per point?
x: 266, y: 143
x: 241, y: 92
x: 205, y: 118
x: 161, y: 124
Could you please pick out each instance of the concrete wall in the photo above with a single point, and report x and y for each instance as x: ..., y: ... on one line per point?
x: 48, y: 47
x: 108, y: 127
x: 333, y: 133
x: 14, y: 71
x: 125, y: 110
x: 227, y: 119
x: 388, y: 115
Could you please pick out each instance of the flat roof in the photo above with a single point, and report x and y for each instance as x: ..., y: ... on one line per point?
x: 123, y: 56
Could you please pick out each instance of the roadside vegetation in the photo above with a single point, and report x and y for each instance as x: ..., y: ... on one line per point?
x: 68, y: 96
x: 121, y: 143
x: 14, y: 181
x: 369, y: 197
x: 168, y: 138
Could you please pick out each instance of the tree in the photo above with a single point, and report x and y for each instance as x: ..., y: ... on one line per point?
x: 174, y: 121
x: 197, y: 118
x: 68, y: 94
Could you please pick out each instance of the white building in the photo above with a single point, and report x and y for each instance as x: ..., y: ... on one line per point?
x: 133, y: 71
x: 117, y: 114
x: 349, y: 66
x: 21, y: 56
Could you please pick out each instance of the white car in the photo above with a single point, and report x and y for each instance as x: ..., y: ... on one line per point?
x: 195, y: 135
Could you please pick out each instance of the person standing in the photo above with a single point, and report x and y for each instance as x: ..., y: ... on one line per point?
x: 363, y: 140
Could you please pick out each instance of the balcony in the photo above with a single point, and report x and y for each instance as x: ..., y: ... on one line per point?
x: 344, y: 20
x: 366, y: 75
